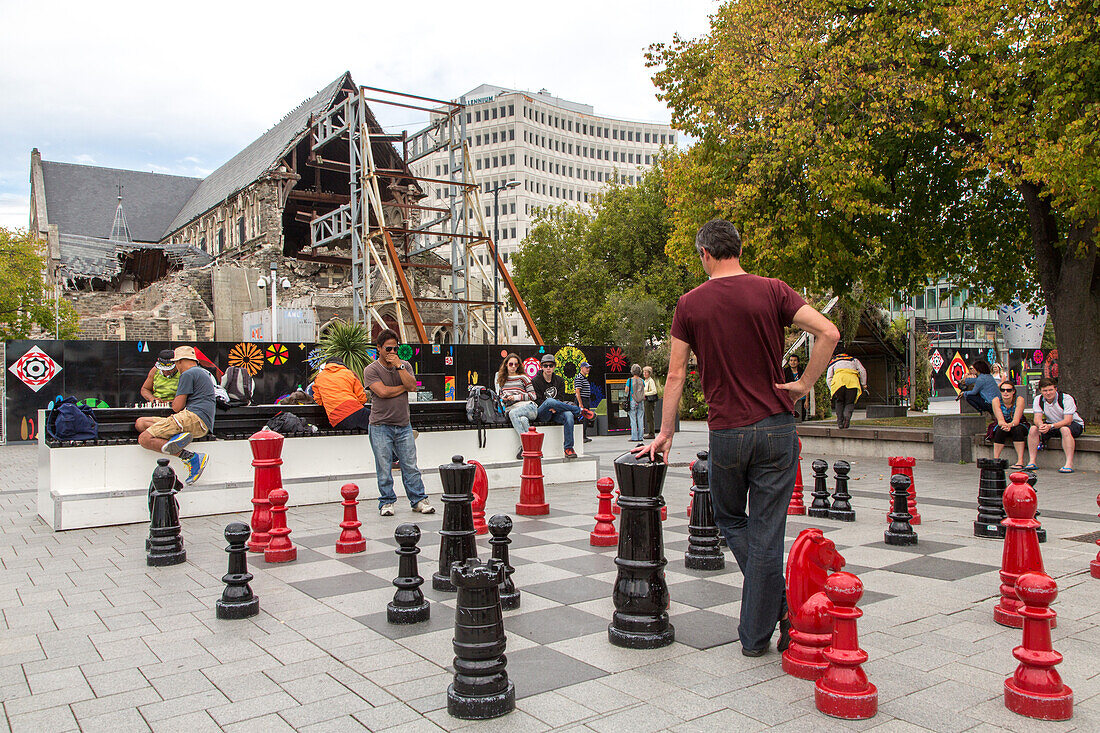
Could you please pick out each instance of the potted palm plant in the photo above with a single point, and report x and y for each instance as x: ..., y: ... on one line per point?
x: 349, y: 342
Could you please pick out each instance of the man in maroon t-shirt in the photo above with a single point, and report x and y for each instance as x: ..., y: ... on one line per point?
x: 734, y: 323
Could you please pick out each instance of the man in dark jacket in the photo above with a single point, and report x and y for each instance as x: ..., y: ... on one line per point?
x: 549, y: 389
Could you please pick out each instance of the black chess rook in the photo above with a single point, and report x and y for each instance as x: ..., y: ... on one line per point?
x: 458, y: 540
x: 900, y: 531
x: 165, y: 544
x: 704, y: 551
x: 991, y: 490
x: 841, y: 510
x: 820, y: 506
x: 237, y: 599
x: 500, y: 526
x: 409, y: 606
x: 481, y: 688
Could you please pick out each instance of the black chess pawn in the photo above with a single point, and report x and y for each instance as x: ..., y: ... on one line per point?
x: 165, y: 543
x: 900, y: 531
x: 237, y: 599
x: 500, y: 525
x: 1032, y: 478
x: 704, y: 551
x: 841, y: 510
x: 820, y: 506
x: 409, y: 606
x: 991, y: 490
x: 481, y: 688
x: 640, y: 593
x: 458, y: 540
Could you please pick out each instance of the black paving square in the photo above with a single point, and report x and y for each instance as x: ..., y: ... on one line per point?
x: 339, y: 585
x: 586, y: 564
x: 939, y: 568
x: 316, y: 540
x: 442, y: 617
x: 923, y: 547
x: 571, y: 590
x: 676, y: 564
x: 870, y: 596
x: 540, y: 669
x: 704, y: 629
x: 307, y: 555
x: 374, y: 560
x: 554, y: 624
x: 703, y: 593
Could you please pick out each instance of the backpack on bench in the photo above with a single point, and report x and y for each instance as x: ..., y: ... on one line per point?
x: 483, y: 408
x: 71, y: 421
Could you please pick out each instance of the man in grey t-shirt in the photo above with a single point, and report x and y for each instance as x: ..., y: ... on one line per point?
x: 390, y: 380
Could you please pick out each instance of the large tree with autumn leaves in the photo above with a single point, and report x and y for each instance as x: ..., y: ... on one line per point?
x: 872, y: 145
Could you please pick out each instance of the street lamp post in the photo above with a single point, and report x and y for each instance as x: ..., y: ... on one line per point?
x: 273, y: 280
x: 496, y: 255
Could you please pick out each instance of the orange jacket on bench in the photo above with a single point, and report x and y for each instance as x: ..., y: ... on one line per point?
x: 339, y: 391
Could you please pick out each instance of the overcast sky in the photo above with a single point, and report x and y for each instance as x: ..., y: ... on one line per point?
x: 181, y: 87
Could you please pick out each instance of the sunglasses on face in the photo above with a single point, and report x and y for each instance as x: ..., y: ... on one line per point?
x: 513, y: 364
x: 1008, y: 390
x: 389, y: 348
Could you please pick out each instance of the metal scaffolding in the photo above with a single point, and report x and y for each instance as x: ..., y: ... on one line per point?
x: 387, y: 233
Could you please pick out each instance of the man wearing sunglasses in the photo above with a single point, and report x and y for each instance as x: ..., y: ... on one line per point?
x: 390, y: 381
x: 549, y: 391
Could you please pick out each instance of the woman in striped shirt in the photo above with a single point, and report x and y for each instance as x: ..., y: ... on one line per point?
x: 517, y: 394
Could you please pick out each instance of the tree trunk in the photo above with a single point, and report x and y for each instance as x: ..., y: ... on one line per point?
x: 1069, y: 276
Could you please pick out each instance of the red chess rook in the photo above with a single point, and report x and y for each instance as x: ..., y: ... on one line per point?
x: 904, y: 466
x: 280, y: 548
x: 481, y: 496
x: 843, y: 691
x: 532, y: 499
x: 1021, y: 553
x: 1036, y: 689
x: 351, y: 539
x: 604, y: 534
x: 811, y: 558
x: 267, y: 447
x: 797, y: 505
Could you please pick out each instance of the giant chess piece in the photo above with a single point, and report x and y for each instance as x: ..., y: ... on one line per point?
x: 841, y: 509
x: 409, y: 606
x: 797, y: 506
x: 152, y: 490
x: 704, y: 551
x: 267, y: 447
x: 812, y: 557
x: 1036, y: 689
x: 351, y: 539
x: 604, y: 534
x: 165, y: 545
x: 900, y: 532
x: 532, y: 497
x: 237, y: 599
x: 280, y: 548
x: 640, y: 594
x: 843, y: 690
x: 500, y: 525
x: 458, y: 541
x: 1032, y: 479
x: 903, y: 465
x: 1094, y: 566
x: 1020, y: 554
x: 481, y: 688
x: 991, y: 489
x: 480, y: 491
x: 819, y: 508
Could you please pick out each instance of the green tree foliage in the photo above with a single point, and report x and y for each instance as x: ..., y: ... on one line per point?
x: 349, y: 342
x: 24, y: 302
x: 603, y: 276
x: 888, y: 143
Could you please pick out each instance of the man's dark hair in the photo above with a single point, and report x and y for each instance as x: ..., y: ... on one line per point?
x: 981, y: 366
x: 1047, y: 382
x: 386, y: 335
x: 720, y: 238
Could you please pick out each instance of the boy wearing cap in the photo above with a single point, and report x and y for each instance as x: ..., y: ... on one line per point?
x: 549, y: 389
x: 193, y: 406
x: 160, y: 385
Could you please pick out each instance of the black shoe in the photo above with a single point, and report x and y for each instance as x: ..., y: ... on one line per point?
x: 784, y: 634
x: 519, y: 456
x: 588, y: 440
x: 754, y: 652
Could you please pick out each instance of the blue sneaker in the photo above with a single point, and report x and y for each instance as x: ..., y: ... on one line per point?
x: 176, y: 443
x: 196, y: 465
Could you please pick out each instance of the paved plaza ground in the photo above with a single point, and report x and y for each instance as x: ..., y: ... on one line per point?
x: 93, y: 639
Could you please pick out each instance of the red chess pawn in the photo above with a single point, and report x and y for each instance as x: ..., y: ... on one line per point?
x: 1094, y: 566
x: 1021, y: 553
x: 351, y: 539
x: 266, y: 446
x: 797, y: 505
x: 843, y: 691
x: 604, y: 535
x: 481, y: 495
x: 1036, y: 689
x: 904, y: 466
x: 532, y: 499
x: 809, y: 562
x: 280, y: 548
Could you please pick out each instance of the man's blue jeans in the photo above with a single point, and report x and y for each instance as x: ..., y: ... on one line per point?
x: 753, y: 468
x: 978, y: 403
x: 388, y: 441
x: 564, y: 413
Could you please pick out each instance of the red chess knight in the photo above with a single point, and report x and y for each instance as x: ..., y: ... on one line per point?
x: 351, y: 539
x: 480, y: 491
x: 1036, y: 689
x: 811, y: 558
x: 1021, y: 553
